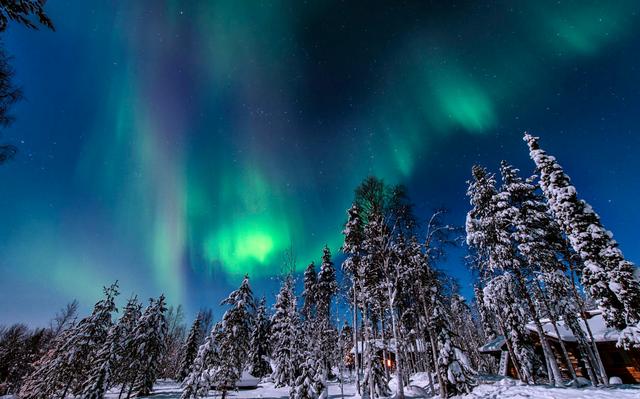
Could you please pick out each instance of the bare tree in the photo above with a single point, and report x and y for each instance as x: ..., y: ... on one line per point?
x: 64, y: 318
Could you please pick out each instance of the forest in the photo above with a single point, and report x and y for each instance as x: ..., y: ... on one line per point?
x: 539, y: 253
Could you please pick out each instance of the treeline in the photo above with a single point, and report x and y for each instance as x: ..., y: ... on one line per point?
x: 403, y: 309
x: 538, y: 252
x: 541, y: 252
x: 407, y: 316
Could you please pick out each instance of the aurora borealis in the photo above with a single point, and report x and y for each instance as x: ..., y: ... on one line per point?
x: 176, y: 145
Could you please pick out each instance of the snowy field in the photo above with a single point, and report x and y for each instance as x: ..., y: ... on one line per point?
x: 509, y: 389
x: 506, y: 388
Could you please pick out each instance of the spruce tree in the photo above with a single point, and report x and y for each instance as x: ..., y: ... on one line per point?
x: 492, y: 225
x: 99, y: 379
x: 375, y: 376
x: 308, y: 384
x: 200, y: 379
x: 501, y: 298
x: 310, y: 281
x: 63, y: 369
x: 149, y: 339
x: 454, y: 366
x: 234, y: 340
x: 352, y: 247
x: 285, y: 331
x: 189, y: 350
x: 259, y: 343
x: 606, y: 274
x: 124, y: 372
x: 487, y: 325
x: 327, y: 335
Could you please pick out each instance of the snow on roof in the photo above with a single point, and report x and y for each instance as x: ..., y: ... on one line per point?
x: 493, y: 346
x: 391, y: 345
x: 599, y: 329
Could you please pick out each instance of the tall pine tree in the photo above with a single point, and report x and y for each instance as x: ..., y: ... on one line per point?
x: 606, y: 274
x: 190, y: 350
x: 259, y: 349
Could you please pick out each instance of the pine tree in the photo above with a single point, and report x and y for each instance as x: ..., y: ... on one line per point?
x: 454, y: 366
x: 352, y: 247
x: 502, y: 299
x: 375, y: 376
x: 607, y: 275
x: 492, y: 225
x: 308, y: 384
x: 200, y: 379
x: 63, y: 368
x: 310, y: 281
x: 327, y: 335
x: 189, y: 350
x: 234, y: 337
x: 149, y: 339
x: 326, y: 286
x: 99, y: 379
x: 124, y: 372
x: 532, y: 230
x: 285, y: 330
x: 259, y: 346
x: 489, y: 331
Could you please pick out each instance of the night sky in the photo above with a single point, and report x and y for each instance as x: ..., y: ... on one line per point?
x: 175, y: 146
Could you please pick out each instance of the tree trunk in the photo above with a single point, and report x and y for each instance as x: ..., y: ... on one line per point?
x: 602, y: 371
x: 597, y: 360
x: 384, y: 345
x: 546, y: 347
x: 434, y: 349
x: 358, y: 352
x: 133, y: 384
x: 514, y: 359
x: 368, y: 348
x: 431, y: 387
x: 554, y: 323
x: 396, y: 336
x: 434, y: 352
x: 124, y: 386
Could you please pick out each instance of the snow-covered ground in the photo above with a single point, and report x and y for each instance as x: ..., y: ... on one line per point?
x: 505, y: 388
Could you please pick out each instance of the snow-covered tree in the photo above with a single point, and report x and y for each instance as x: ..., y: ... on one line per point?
x: 124, y: 371
x: 149, y: 339
x: 352, y: 247
x: 501, y: 298
x: 487, y: 325
x: 64, y: 367
x: 326, y: 285
x: 308, y: 384
x: 375, y: 383
x: 606, y: 274
x: 20, y: 347
x: 189, y: 350
x: 233, y: 345
x: 454, y: 365
x: 200, y: 379
x: 259, y: 343
x: 99, y: 378
x: 285, y: 331
x: 326, y: 332
x: 310, y: 282
x: 493, y: 229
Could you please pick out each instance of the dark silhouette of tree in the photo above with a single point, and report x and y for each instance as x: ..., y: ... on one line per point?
x: 28, y: 13
x: 24, y: 12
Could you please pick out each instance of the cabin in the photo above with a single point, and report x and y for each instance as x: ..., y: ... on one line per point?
x: 388, y: 357
x: 616, y: 361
